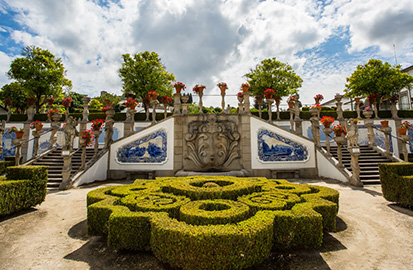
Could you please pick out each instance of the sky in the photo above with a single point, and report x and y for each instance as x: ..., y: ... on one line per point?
x: 210, y: 41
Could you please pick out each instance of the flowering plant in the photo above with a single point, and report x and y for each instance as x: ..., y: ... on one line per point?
x: 180, y: 85
x: 66, y: 101
x: 88, y: 136
x: 97, y: 124
x: 222, y: 84
x: 131, y: 103
x: 50, y: 100
x: 316, y: 106
x: 269, y: 93
x: 153, y: 94
x: 406, y: 125
x: 259, y: 97
x: 199, y: 87
x: 368, y: 108
x: 394, y: 98
x: 240, y: 94
x: 339, y: 129
x: 373, y: 98
x: 293, y: 98
x: 356, y: 121
x: 8, y: 102
x: 326, y: 120
x: 166, y: 99
x: 14, y: 129
x: 319, y: 97
x: 30, y: 101
x: 107, y: 108
x: 52, y: 112
x: 245, y: 85
x: 36, y: 124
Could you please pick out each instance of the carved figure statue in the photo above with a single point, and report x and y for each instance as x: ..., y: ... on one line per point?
x: 352, y: 134
x: 70, y: 133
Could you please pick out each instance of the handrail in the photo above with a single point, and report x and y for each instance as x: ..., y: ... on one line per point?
x: 391, y: 135
x: 27, y: 141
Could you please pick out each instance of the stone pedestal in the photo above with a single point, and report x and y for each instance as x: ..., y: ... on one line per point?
x: 405, y: 139
x: 2, y: 129
x: 129, y: 124
x: 109, y: 122
x: 339, y: 104
x: 387, y: 132
x: 67, y: 168
x: 96, y: 133
x: 358, y: 109
x: 369, y: 123
x: 270, y: 101
x: 328, y: 131
x: 355, y: 168
x: 30, y: 113
x: 393, y: 109
x: 339, y: 140
x: 55, y: 127
x: 223, y: 101
x: 153, y: 105
x: 18, y: 144
x: 376, y: 110
x: 247, y: 102
x: 36, y: 135
x: 177, y: 103
x: 315, y: 126
x: 185, y: 104
x: 8, y: 115
x: 201, y: 93
x: 241, y: 106
x: 85, y: 113
x: 83, y: 156
x: 291, y: 111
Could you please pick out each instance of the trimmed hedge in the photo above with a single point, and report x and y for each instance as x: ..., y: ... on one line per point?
x: 397, y: 182
x: 4, y: 165
x: 24, y: 187
x: 212, y: 222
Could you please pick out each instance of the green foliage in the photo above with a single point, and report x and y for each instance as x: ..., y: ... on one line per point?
x: 112, y: 98
x: 95, y: 105
x: 376, y: 77
x: 17, y: 93
x: 4, y: 165
x: 275, y: 75
x: 77, y: 102
x: 24, y: 187
x: 245, y: 218
x: 144, y: 72
x: 397, y: 183
x: 40, y: 73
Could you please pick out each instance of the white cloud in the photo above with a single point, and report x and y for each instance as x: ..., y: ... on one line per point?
x: 203, y: 41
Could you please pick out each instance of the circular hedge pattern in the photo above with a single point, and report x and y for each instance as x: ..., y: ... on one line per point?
x: 212, y: 222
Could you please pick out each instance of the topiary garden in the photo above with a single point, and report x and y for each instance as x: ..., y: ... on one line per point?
x: 212, y: 222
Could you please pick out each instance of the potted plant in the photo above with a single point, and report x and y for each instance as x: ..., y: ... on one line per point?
x: 66, y: 101
x: 19, y: 132
x: 131, y: 103
x: 199, y: 89
x: 316, y: 106
x: 107, y: 109
x: 318, y: 98
x: 384, y: 123
x: 339, y: 130
x: 404, y: 127
x: 153, y: 95
x: 356, y: 121
x: 326, y: 121
x: 222, y: 86
x: 291, y: 100
x: 87, y: 138
x: 97, y: 124
x: 179, y: 87
x: 245, y: 87
x: 240, y: 96
x: 36, y: 125
x: 269, y: 93
x: 51, y: 113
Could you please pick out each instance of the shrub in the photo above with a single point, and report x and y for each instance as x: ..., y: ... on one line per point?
x: 397, y: 183
x: 24, y: 187
x: 212, y: 222
x: 4, y: 165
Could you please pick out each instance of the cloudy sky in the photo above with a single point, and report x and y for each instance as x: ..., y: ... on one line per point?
x: 209, y: 41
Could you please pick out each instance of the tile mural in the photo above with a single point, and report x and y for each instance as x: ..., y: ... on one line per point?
x: 149, y: 149
x: 274, y: 147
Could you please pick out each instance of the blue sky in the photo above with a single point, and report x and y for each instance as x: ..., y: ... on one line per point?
x: 209, y: 41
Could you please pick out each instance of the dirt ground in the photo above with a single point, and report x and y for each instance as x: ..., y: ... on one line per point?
x: 371, y: 234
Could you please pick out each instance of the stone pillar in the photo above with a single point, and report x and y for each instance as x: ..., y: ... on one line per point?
x: 83, y: 156
x: 97, y: 133
x: 393, y: 109
x: 259, y: 102
x: 328, y: 131
x: 340, y: 140
x: 36, y: 135
x: 376, y: 110
x: 18, y: 144
x: 30, y: 113
x: 369, y: 123
x: 339, y: 104
x: 185, y: 104
x: 315, y: 126
x: 200, y: 93
x: 109, y: 122
x: 153, y: 105
x: 8, y: 114
x: 357, y: 100
x: 67, y: 168
x: 129, y: 124
x: 247, y: 103
x: 223, y: 99
x: 387, y: 132
x: 291, y: 110
x: 270, y: 101
x: 55, y: 127
x: 405, y: 139
x: 177, y: 103
x: 355, y: 167
x: 240, y: 104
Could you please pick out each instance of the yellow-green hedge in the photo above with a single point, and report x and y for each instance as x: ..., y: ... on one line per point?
x: 24, y: 187
x: 233, y: 223
x: 397, y: 182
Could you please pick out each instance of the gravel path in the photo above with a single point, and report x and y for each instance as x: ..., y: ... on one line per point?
x: 371, y: 234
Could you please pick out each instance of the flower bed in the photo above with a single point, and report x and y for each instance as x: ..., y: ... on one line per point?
x: 212, y: 222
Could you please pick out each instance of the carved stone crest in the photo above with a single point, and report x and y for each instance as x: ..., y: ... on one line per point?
x: 212, y: 144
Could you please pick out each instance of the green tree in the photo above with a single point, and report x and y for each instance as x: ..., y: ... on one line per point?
x: 40, y: 73
x: 16, y: 93
x: 376, y: 77
x: 273, y: 74
x: 95, y: 105
x: 144, y: 72
x: 77, y: 103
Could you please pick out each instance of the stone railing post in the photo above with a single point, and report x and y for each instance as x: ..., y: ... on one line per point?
x: 223, y: 99
x: 36, y: 135
x: 30, y: 113
x: 291, y: 111
x: 315, y: 126
x: 340, y: 140
x: 357, y: 100
x: 129, y: 124
x: 339, y: 104
x: 405, y: 139
x: 270, y: 101
x: 240, y: 104
x: 109, y: 122
x: 177, y: 103
x: 85, y: 114
x: 18, y: 144
x: 247, y: 102
x: 8, y: 114
x: 83, y: 156
x: 355, y: 167
x: 393, y: 109
x: 185, y: 104
x: 96, y: 133
x: 369, y: 123
x: 67, y: 168
x: 328, y: 131
x: 376, y: 110
x: 387, y: 132
x: 55, y: 127
x: 153, y: 105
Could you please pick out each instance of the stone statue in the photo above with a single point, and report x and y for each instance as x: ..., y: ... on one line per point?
x: 70, y: 133
x: 352, y: 134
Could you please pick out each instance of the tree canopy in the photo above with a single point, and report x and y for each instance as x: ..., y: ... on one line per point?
x: 16, y: 93
x: 144, y: 72
x: 273, y: 74
x: 40, y: 73
x: 376, y: 77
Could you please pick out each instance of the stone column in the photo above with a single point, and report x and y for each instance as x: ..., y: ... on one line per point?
x: 315, y: 126
x: 109, y: 122
x: 8, y: 114
x: 270, y: 101
x: 259, y: 102
x: 129, y: 124
x: 55, y: 127
x: 247, y: 102
x: 291, y: 111
x: 393, y: 109
x: 405, y: 139
x: 223, y: 99
x: 36, y: 135
x: 67, y: 168
x: 240, y: 104
x: 85, y: 114
x: 153, y: 105
x: 340, y: 140
x: 355, y: 167
x: 18, y: 144
x: 96, y: 133
x: 177, y: 103
x: 185, y: 104
x: 369, y: 123
x: 2, y: 129
x: 339, y: 104
x: 328, y: 131
x: 387, y: 132
x: 30, y: 113
x: 83, y: 156
x: 200, y: 93
x: 376, y: 110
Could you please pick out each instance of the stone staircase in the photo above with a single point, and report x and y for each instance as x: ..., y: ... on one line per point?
x: 54, y: 160
x: 368, y: 161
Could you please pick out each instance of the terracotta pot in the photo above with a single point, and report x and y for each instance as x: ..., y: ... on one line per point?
x: 402, y: 131
x: 19, y: 135
x: 357, y: 99
x: 132, y: 107
x: 290, y: 104
x: 384, y: 123
x: 178, y: 89
x: 223, y: 89
x: 245, y: 89
x: 38, y: 127
x: 327, y: 125
x: 317, y: 100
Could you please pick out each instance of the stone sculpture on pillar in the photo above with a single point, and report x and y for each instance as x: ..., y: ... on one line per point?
x: 199, y: 89
x: 8, y: 102
x: 369, y: 123
x: 37, y: 130
x: 315, y: 124
x: 357, y: 100
x: 18, y: 143
x: 55, y: 116
x: 387, y: 131
x: 185, y: 104
x: 109, y: 122
x: 177, y: 97
x: 245, y: 87
x: 241, y: 106
x: 67, y: 168
x: 85, y: 114
x: 354, y: 149
x: 97, y: 125
x: 223, y: 87
x: 70, y: 133
x: 258, y: 100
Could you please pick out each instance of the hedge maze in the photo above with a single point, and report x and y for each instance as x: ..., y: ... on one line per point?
x: 212, y: 222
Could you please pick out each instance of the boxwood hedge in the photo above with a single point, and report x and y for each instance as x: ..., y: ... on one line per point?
x: 24, y: 187
x: 212, y: 222
x: 397, y: 182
